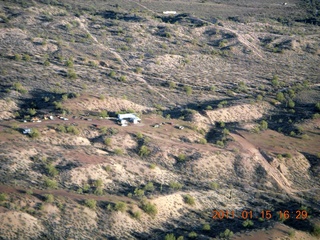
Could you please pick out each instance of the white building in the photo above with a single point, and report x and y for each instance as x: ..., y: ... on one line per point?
x: 129, y: 117
x: 169, y: 12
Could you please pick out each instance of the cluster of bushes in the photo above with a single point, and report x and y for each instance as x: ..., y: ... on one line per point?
x: 68, y: 129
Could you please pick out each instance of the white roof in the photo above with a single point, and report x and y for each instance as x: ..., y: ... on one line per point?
x: 128, y: 115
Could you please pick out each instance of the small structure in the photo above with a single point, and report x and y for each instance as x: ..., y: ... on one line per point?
x: 169, y: 12
x: 129, y: 117
x: 123, y: 123
x: 26, y: 131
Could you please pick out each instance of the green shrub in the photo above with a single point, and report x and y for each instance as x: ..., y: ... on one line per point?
x: 3, y: 197
x: 98, y: 183
x: 144, y: 151
x: 316, y: 116
x: 192, y: 235
x: 280, y: 96
x: 247, y: 223
x: 220, y: 143
x: 71, y: 74
x: 90, y: 203
x: 263, y: 125
x: 175, y: 185
x: 291, y: 103
x: 26, y: 57
x: 203, y: 141
x: 139, y: 192
x: 34, y: 133
x: 226, y: 234
x: 107, y: 168
x: 29, y: 192
x: 275, y: 81
x: 170, y: 236
x: 48, y: 183
x: 316, y: 230
x: 214, y: 185
x: 318, y: 106
x: 57, y: 105
x: 152, y: 166
x: 206, y: 227
x: 120, y: 206
x: 108, y: 141
x: 172, y: 85
x: 104, y: 114
x: 123, y: 78
x: 139, y: 135
x: 32, y: 111
x: 259, y: 97
x: 188, y: 90
x: 149, y: 187
x: 291, y: 233
x: 49, y: 198
x: 17, y: 57
x: 189, y: 199
x: 150, y: 208
x: 112, y: 74
x: 73, y: 130
x: 182, y: 157
x: 136, y: 214
x: 138, y: 70
x: 51, y: 170
x: 118, y: 151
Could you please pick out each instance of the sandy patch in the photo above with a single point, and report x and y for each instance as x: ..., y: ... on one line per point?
x: 6, y: 109
x: 245, y: 112
x: 13, y: 222
x: 112, y: 104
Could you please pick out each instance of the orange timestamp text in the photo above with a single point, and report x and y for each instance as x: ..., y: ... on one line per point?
x: 263, y: 214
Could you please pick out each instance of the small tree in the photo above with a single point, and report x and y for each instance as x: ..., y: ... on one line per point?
x: 263, y: 125
x: 136, y: 214
x: 139, y: 192
x: 150, y: 209
x: 49, y: 198
x: 226, y: 234
x: 149, y: 187
x: 192, y: 235
x: 189, y: 199
x: 51, y: 170
x: 170, y: 236
x: 175, y: 185
x: 50, y: 183
x: 32, y: 111
x: 291, y: 103
x: 203, y: 141
x: 90, y: 203
x: 144, y: 151
x: 98, y: 183
x: 280, y: 96
x: 120, y: 206
x: 206, y: 227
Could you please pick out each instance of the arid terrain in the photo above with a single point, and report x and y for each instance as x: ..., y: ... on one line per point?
x: 228, y: 93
